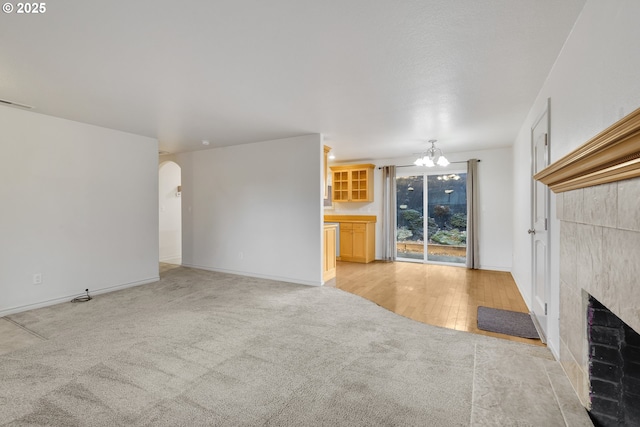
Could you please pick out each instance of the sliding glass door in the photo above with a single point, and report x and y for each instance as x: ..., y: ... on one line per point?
x: 410, y: 217
x: 432, y: 217
x: 447, y: 217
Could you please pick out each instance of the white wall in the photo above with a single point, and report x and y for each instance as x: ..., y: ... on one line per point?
x: 170, y: 212
x: 78, y: 206
x: 255, y: 209
x: 495, y: 178
x: 593, y: 84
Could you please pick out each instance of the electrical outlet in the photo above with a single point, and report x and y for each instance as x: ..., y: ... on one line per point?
x: 241, y: 255
x: 37, y: 279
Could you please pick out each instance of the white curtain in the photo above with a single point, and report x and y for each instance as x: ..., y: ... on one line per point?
x: 389, y: 213
x: 473, y: 256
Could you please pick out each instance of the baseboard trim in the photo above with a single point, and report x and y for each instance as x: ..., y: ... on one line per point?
x: 494, y: 268
x: 67, y: 298
x: 257, y: 275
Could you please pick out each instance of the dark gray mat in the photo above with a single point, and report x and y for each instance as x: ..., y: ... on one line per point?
x: 506, y: 322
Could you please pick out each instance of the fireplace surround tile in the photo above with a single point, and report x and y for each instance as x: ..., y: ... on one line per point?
x: 488, y: 417
x: 572, y: 411
x: 521, y: 386
x: 568, y: 252
x: 574, y: 205
x: 621, y: 252
x: 600, y: 205
x: 516, y: 400
x: 589, y: 256
x: 599, y: 253
x: 577, y: 374
x: 628, y: 202
x: 566, y: 299
x: 573, y: 327
x: 559, y: 205
x: 513, y: 364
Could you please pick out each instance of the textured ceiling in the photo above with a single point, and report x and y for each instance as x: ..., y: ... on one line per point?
x: 377, y: 78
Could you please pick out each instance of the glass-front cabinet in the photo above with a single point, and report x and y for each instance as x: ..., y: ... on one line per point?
x: 352, y: 183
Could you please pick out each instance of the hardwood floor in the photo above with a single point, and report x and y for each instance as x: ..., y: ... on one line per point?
x: 434, y: 294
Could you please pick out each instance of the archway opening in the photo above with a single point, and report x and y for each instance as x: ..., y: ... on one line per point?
x: 170, y: 212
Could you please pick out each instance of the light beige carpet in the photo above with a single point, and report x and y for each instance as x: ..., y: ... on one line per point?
x: 202, y: 348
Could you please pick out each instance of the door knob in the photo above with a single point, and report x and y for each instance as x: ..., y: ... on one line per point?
x: 531, y: 231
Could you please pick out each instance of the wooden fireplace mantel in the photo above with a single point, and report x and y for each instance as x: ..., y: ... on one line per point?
x: 612, y: 155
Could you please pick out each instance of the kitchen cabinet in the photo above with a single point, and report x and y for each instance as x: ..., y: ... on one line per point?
x: 357, y: 241
x: 352, y: 183
x: 329, y: 261
x: 357, y: 237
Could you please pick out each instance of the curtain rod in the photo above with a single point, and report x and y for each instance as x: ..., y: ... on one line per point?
x: 414, y: 166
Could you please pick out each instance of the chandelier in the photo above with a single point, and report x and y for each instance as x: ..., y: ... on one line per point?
x: 433, y: 156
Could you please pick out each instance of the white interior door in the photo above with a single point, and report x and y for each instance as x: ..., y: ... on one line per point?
x: 540, y: 222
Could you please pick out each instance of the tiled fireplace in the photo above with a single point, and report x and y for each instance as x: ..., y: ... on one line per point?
x: 599, y: 259
x: 597, y: 189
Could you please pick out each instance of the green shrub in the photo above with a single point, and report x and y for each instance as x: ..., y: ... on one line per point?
x: 414, y: 222
x: 432, y: 227
x: 403, y: 233
x: 450, y: 237
x: 459, y: 220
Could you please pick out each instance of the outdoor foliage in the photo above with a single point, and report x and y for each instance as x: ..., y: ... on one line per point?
x: 445, y: 214
x: 432, y: 226
x: 450, y: 237
x: 458, y: 220
x: 403, y: 233
x: 415, y: 223
x: 442, y: 214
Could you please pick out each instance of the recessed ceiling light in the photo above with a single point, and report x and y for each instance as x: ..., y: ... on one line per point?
x: 205, y: 142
